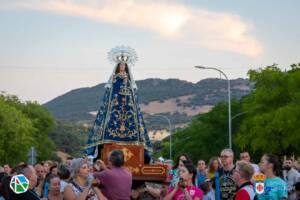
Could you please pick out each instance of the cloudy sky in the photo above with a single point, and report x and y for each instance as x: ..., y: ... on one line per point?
x: 49, y: 47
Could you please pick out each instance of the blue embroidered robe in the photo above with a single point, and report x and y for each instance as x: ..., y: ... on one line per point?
x: 119, y: 119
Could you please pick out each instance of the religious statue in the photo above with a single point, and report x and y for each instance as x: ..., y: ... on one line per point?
x: 119, y: 118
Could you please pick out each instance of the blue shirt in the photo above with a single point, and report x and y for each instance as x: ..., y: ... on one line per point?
x: 275, y: 189
x: 200, y: 178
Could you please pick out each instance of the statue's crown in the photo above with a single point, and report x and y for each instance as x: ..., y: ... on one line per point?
x: 122, y: 54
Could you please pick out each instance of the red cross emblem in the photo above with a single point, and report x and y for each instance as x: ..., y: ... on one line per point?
x: 259, y: 188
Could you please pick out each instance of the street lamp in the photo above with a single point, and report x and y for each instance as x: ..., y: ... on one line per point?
x: 170, y: 130
x: 237, y: 115
x: 229, y: 100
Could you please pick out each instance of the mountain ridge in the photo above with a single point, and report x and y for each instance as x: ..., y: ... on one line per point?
x: 179, y: 99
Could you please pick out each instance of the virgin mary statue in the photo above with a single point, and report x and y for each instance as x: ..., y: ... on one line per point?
x: 119, y: 118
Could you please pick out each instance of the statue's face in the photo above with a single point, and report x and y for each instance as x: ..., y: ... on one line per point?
x: 122, y: 67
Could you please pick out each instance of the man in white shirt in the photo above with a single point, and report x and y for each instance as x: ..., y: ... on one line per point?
x: 291, y: 176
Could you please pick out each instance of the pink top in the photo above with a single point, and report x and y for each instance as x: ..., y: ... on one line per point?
x: 193, y: 191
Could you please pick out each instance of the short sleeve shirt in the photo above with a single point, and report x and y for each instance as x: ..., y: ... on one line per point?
x: 275, y: 189
x: 193, y: 191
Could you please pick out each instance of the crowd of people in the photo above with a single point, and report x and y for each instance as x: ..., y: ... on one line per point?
x: 219, y: 179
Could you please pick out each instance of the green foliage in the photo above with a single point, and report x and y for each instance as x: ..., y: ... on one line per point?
x: 16, y: 133
x: 205, y: 136
x: 69, y: 137
x: 23, y: 125
x: 44, y: 123
x: 273, y: 125
x: 266, y: 120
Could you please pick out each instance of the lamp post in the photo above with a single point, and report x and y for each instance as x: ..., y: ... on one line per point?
x: 229, y: 100
x: 170, y: 130
x: 245, y: 112
x: 237, y: 115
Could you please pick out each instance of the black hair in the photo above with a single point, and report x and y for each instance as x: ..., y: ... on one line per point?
x: 50, y: 177
x: 178, y: 159
x: 47, y: 180
x: 52, y: 167
x: 6, y: 192
x: 118, y: 68
x: 63, y: 172
x: 22, y: 169
x: 116, y: 158
x: 273, y: 159
x: 191, y: 169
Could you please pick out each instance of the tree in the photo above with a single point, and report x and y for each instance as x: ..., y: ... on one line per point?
x: 69, y: 137
x: 16, y: 133
x: 44, y: 123
x: 274, y: 125
x: 206, y: 135
x: 25, y: 124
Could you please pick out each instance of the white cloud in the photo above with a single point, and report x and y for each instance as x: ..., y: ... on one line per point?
x: 172, y: 21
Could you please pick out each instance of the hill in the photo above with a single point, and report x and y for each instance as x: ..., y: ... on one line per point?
x: 177, y: 99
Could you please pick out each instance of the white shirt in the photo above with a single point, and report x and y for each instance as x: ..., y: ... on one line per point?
x: 291, y: 177
x: 256, y: 168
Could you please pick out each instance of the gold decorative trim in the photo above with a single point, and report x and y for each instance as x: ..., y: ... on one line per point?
x: 115, y: 142
x: 152, y: 168
x: 134, y: 170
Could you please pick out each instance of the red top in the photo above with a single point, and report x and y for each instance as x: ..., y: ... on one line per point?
x: 242, y: 194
